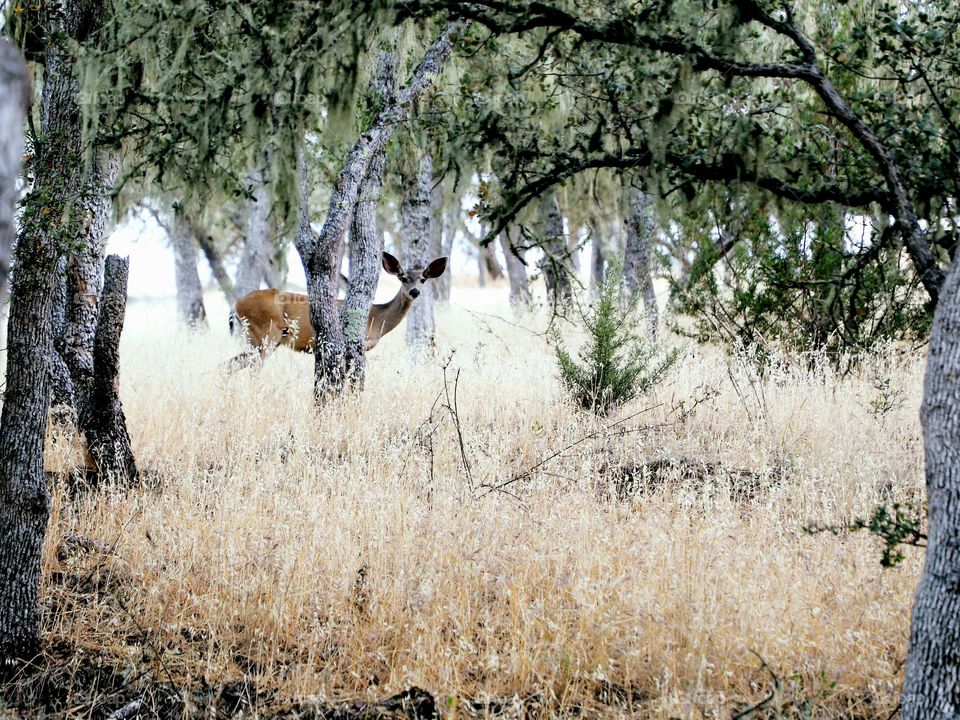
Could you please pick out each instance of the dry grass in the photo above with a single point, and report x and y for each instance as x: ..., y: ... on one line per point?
x: 348, y: 554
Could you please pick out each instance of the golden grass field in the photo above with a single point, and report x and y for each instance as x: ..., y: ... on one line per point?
x: 298, y: 557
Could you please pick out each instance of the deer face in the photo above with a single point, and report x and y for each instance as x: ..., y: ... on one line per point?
x: 412, y: 280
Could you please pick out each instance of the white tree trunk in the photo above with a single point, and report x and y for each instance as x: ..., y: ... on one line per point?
x: 415, y: 226
x: 14, y: 92
x: 254, y: 265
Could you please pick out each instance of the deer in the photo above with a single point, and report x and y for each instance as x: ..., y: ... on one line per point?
x: 272, y: 318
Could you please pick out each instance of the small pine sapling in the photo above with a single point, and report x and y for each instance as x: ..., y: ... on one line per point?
x: 615, y: 363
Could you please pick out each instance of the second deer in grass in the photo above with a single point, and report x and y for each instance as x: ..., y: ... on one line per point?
x: 271, y: 318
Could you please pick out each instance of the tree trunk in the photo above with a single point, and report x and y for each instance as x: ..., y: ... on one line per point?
x: 366, y: 240
x: 24, y: 502
x: 215, y: 260
x: 415, y: 226
x: 555, y: 264
x: 448, y: 228
x: 638, y: 257
x: 516, y: 271
x: 55, y: 215
x: 190, y: 306
x: 320, y: 253
x: 366, y: 249
x: 14, y: 93
x: 597, y: 260
x: 490, y: 262
x: 254, y: 264
x: 105, y: 425
x: 84, y: 278
x: 932, y: 685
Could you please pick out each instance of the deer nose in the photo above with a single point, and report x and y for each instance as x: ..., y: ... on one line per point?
x: 414, y: 293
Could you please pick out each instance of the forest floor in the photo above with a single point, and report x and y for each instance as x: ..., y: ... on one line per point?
x: 462, y: 534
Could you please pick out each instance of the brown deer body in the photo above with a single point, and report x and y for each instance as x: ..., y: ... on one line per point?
x: 272, y: 318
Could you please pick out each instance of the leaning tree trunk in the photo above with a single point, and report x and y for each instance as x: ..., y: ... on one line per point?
x: 415, y: 225
x: 555, y: 264
x: 490, y: 262
x: 105, y: 425
x: 215, y: 260
x: 190, y: 307
x: 510, y: 242
x: 257, y: 251
x: 932, y: 685
x: 14, y: 91
x: 320, y: 253
x: 638, y: 257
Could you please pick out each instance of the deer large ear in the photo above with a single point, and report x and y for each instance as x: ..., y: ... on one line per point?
x: 435, y: 268
x: 391, y: 264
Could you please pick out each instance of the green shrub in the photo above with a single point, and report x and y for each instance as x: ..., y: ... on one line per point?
x: 616, y: 364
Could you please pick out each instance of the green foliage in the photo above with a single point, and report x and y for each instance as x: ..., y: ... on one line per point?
x: 897, y: 524
x: 616, y: 365
x: 806, y: 286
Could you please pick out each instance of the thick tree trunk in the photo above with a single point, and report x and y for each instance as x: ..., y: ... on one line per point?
x: 321, y: 253
x: 638, y: 257
x: 215, y: 260
x: 597, y: 260
x: 14, y: 91
x: 24, y: 502
x: 555, y: 264
x: 254, y: 264
x: 105, y: 425
x: 510, y: 241
x: 415, y: 226
x: 932, y: 685
x: 190, y: 307
x: 366, y: 249
x: 54, y: 216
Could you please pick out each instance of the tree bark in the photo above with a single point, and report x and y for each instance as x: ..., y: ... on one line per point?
x: 14, y: 93
x: 105, y: 425
x: 320, y: 253
x: 932, y: 685
x: 24, y: 502
x: 415, y: 225
x: 84, y: 278
x: 555, y: 264
x: 190, y: 307
x: 516, y: 271
x: 51, y: 221
x: 638, y: 257
x: 366, y: 249
x: 254, y: 265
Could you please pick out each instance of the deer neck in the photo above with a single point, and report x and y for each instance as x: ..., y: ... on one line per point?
x: 386, y: 316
